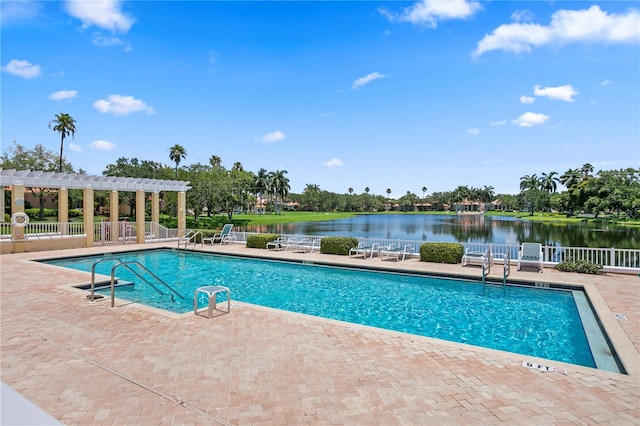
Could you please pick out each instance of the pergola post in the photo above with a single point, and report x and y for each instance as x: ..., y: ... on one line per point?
x: 182, y: 213
x: 87, y: 209
x: 114, y: 214
x: 63, y: 210
x: 140, y: 216
x: 17, y: 198
x: 2, y: 202
x: 155, y: 213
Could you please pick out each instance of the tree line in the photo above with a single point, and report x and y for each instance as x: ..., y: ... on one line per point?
x: 215, y: 189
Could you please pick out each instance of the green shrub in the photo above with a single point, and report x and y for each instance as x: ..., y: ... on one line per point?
x: 75, y: 213
x: 441, y: 252
x: 580, y: 266
x: 337, y: 245
x: 260, y: 240
x: 35, y: 213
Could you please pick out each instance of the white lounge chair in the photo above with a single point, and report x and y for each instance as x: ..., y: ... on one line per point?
x: 364, y: 249
x: 305, y: 245
x: 278, y: 244
x: 395, y: 252
x: 530, y: 254
x: 222, y: 237
x: 481, y: 258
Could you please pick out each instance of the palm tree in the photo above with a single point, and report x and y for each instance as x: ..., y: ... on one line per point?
x: 586, y: 170
x: 177, y: 153
x: 237, y: 166
x: 571, y: 178
x: 549, y: 182
x: 215, y: 161
x: 279, y: 185
x: 350, y: 191
x: 424, y: 191
x: 261, y: 185
x: 367, y: 190
x: 389, y: 197
x: 529, y: 182
x: 66, y: 125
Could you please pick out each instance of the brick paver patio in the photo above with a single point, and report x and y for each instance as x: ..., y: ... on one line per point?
x: 86, y: 364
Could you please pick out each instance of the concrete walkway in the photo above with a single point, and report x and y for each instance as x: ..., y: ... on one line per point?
x: 86, y: 364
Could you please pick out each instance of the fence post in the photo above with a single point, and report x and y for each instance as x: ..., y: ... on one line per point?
x: 612, y: 260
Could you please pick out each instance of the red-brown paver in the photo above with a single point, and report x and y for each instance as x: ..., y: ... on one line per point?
x: 86, y: 364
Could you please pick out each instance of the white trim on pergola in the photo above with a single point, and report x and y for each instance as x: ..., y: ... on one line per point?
x: 38, y: 179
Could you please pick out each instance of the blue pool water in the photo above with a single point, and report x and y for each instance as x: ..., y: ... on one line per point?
x: 529, y: 321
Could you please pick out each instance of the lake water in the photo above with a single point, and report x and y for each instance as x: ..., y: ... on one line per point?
x: 466, y: 229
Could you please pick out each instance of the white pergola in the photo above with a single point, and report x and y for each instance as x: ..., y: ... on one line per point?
x: 18, y: 180
x: 36, y: 179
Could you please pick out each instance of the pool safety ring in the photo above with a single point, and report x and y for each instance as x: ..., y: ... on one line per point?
x: 19, y: 218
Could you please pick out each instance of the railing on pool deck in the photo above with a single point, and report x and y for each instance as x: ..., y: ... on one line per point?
x: 614, y: 260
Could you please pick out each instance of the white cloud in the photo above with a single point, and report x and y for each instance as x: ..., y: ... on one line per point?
x: 102, y: 41
x: 563, y: 93
x: 521, y: 15
x: 63, y: 94
x: 430, y: 12
x: 16, y: 11
x: 101, y: 145
x: 122, y: 105
x: 105, y: 14
x: 24, y: 69
x: 567, y: 26
x: 473, y: 131
x: 366, y: 79
x: 606, y: 83
x: 74, y: 148
x: 499, y: 123
x: 530, y: 119
x: 527, y: 99
x: 276, y: 136
x: 334, y: 162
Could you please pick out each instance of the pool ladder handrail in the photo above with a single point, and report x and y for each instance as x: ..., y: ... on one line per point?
x: 93, y: 274
x: 189, y: 236
x: 135, y: 262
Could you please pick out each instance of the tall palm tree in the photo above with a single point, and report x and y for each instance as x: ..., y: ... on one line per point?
x: 424, y: 191
x: 215, y: 161
x: 66, y: 125
x: 367, y: 190
x: 280, y: 185
x: 350, y: 190
x: 177, y: 153
x: 549, y: 182
x: 586, y: 170
x: 529, y: 182
x: 571, y: 178
x: 261, y: 185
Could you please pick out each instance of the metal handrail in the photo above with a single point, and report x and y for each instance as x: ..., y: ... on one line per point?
x: 191, y: 235
x: 93, y: 274
x: 135, y: 262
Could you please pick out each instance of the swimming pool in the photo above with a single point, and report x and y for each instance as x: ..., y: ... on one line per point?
x: 529, y: 321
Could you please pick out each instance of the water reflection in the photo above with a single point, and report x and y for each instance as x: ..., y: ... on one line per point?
x: 465, y: 228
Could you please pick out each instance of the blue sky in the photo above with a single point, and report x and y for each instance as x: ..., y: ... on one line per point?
x: 358, y: 94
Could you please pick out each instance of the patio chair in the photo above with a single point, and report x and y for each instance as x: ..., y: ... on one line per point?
x: 530, y: 254
x: 304, y: 245
x: 364, y: 249
x: 395, y: 251
x: 278, y: 244
x: 481, y: 258
x: 222, y: 237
